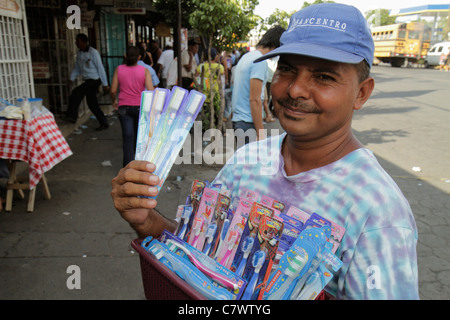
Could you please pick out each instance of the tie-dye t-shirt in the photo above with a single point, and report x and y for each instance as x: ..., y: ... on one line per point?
x: 378, y: 250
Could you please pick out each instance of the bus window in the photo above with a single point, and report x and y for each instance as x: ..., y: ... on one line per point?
x: 414, y: 35
x: 391, y: 34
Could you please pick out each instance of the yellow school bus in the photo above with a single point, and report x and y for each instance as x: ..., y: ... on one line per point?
x: 397, y: 43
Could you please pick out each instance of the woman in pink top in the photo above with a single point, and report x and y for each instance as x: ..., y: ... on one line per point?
x: 132, y: 80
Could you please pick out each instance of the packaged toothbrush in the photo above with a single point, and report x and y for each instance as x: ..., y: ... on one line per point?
x: 315, y: 283
x: 317, y: 279
x: 269, y: 232
x: 227, y: 250
x: 298, y: 214
x: 204, y: 214
x: 272, y: 203
x: 144, y: 123
x: 248, y: 237
x: 293, y: 265
x: 220, y: 276
x: 153, y: 104
x: 185, y: 220
x: 291, y: 231
x: 220, y: 215
x: 196, y: 193
x: 337, y: 233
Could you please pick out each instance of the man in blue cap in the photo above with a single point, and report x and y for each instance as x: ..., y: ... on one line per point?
x: 317, y: 165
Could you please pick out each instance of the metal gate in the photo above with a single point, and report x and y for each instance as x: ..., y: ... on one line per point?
x: 16, y: 80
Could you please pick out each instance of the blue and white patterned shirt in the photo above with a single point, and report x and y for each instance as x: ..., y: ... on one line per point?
x: 378, y: 250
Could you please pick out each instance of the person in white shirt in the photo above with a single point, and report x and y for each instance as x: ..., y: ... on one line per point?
x: 164, y: 60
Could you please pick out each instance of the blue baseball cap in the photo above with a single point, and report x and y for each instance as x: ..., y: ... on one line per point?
x: 330, y: 31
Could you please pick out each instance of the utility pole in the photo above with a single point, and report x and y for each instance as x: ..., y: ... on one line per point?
x: 179, y: 41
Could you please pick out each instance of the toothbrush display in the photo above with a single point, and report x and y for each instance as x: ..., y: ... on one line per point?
x: 246, y: 248
x: 258, y: 260
x: 252, y: 252
x: 293, y: 270
x: 210, y: 236
x: 203, y: 267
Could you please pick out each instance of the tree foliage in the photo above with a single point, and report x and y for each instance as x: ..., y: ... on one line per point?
x: 379, y: 17
x: 307, y: 4
x: 226, y: 22
x: 222, y: 24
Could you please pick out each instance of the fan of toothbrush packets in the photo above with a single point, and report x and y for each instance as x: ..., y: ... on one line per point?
x: 249, y: 247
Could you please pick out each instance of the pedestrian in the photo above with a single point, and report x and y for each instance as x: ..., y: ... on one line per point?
x: 265, y: 102
x: 147, y: 57
x: 156, y: 52
x: 155, y: 79
x: 210, y: 74
x: 249, y: 80
x: 164, y: 60
x: 317, y: 164
x: 88, y: 65
x: 189, y: 65
x: 205, y: 69
x: 132, y: 79
x: 172, y: 74
x: 446, y: 59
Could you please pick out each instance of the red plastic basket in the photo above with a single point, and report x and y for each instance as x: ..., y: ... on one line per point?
x: 161, y: 283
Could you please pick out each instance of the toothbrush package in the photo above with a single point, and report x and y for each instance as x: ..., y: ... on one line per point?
x: 164, y: 123
x: 262, y: 257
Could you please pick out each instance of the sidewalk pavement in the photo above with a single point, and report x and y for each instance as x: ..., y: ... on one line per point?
x: 79, y: 225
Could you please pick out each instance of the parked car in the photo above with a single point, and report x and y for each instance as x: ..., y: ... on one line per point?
x: 435, y: 52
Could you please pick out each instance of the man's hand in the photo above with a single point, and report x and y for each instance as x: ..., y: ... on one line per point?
x: 130, y: 189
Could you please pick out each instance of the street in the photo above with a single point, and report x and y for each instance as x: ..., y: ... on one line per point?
x: 405, y: 122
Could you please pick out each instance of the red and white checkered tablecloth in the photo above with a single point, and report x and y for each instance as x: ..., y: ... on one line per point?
x: 38, y: 141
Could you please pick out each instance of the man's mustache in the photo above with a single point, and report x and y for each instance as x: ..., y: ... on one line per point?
x: 297, y: 105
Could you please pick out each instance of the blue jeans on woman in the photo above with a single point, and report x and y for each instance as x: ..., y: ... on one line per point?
x: 129, y: 120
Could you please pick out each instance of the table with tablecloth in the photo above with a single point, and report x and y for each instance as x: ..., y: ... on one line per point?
x: 37, y: 141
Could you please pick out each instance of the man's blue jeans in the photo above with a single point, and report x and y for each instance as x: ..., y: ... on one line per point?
x: 129, y: 120
x: 247, y: 131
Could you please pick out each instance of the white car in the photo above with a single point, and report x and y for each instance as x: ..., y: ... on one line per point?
x: 435, y: 52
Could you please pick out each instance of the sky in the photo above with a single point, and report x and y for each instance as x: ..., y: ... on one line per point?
x: 266, y: 7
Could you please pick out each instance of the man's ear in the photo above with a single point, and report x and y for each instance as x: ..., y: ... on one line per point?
x: 365, y: 91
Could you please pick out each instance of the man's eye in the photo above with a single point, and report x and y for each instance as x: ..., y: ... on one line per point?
x: 325, y: 77
x: 283, y: 68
